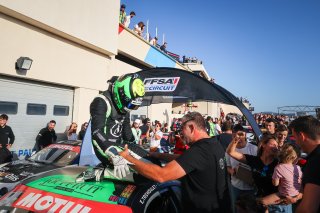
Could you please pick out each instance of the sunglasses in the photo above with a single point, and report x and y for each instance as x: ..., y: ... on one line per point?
x: 183, y: 124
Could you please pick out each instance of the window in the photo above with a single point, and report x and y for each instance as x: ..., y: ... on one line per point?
x: 8, y: 107
x: 61, y: 110
x: 36, y: 109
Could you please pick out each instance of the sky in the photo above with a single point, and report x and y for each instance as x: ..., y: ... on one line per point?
x: 267, y: 51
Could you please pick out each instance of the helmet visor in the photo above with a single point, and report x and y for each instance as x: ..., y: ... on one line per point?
x: 134, y: 104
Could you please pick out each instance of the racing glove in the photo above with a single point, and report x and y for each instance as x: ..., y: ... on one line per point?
x: 121, y: 168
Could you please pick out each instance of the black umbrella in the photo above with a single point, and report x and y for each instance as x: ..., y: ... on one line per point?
x: 170, y: 85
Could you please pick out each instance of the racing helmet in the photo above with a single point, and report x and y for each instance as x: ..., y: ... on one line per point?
x: 128, y: 92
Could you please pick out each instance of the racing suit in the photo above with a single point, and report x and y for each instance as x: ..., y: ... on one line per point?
x: 111, y: 130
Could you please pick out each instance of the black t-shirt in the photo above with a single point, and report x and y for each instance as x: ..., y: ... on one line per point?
x: 6, y: 134
x: 204, y: 187
x: 46, y: 137
x: 311, y: 172
x: 262, y: 175
x: 144, y: 128
x: 224, y: 139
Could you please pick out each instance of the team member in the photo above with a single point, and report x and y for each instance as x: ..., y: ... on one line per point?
x: 46, y: 136
x: 6, y: 139
x: 201, y: 168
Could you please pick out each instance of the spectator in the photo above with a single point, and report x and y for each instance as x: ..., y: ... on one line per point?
x: 238, y: 186
x: 222, y: 114
x: 176, y: 140
x: 155, y: 138
x: 226, y: 137
x: 262, y: 167
x: 287, y: 176
x: 154, y: 41
x: 145, y: 127
x: 138, y: 28
x: 6, y: 139
x: 82, y: 132
x: 217, y: 127
x: 46, y: 136
x: 210, y: 126
x: 72, y: 131
x: 282, y: 135
x: 122, y: 14
x: 270, y: 125
x: 136, y: 131
x: 164, y: 47
x: 165, y: 128
x: 128, y: 18
x: 306, y: 131
x: 201, y: 169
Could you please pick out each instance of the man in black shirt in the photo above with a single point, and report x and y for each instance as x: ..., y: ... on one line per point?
x: 202, y: 169
x: 226, y: 137
x: 306, y: 131
x: 6, y: 139
x: 46, y: 136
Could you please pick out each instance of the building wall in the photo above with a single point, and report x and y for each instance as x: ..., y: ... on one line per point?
x: 74, y: 19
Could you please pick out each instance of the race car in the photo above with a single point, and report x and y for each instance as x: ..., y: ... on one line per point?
x: 54, y: 156
x: 58, y: 191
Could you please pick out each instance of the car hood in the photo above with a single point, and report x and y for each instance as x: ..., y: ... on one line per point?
x: 16, y: 171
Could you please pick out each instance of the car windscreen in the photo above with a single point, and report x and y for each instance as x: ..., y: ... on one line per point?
x: 55, y: 155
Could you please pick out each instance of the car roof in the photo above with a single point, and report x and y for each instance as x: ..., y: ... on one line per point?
x: 70, y: 142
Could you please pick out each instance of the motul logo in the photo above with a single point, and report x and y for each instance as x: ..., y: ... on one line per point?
x: 48, y: 203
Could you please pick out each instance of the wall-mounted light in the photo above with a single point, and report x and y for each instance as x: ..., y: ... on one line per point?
x: 23, y: 63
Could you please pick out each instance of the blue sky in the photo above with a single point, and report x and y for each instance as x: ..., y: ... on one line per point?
x: 265, y: 50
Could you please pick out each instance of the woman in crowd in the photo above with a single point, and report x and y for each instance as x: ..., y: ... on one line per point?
x: 262, y: 167
x: 155, y: 137
x: 138, y: 28
x: 287, y: 175
x: 72, y: 131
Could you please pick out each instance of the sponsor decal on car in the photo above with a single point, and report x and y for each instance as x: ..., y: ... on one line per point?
x: 65, y: 147
x: 12, y: 177
x: 42, y: 201
x: 168, y: 84
x: 26, y: 174
x: 147, y: 193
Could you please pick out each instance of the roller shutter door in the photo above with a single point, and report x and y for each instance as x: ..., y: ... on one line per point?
x: 30, y: 106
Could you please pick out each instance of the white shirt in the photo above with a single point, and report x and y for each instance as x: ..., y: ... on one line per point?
x: 153, y: 141
x: 217, y: 129
x: 249, y: 149
x: 127, y: 21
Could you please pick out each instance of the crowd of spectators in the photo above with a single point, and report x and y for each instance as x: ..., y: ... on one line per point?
x: 139, y: 29
x: 191, y: 60
x: 257, y: 169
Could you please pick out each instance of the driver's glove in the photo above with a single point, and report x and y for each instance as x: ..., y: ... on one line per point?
x: 121, y: 168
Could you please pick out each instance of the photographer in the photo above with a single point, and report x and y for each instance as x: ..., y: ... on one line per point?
x: 176, y: 140
x: 155, y: 137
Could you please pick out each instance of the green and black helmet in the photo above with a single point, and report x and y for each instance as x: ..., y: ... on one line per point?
x: 128, y: 92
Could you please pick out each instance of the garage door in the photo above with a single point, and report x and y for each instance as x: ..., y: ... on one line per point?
x: 30, y: 106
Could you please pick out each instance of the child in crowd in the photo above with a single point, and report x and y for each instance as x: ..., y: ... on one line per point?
x: 287, y: 175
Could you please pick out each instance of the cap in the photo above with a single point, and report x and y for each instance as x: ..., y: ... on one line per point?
x: 123, y: 6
